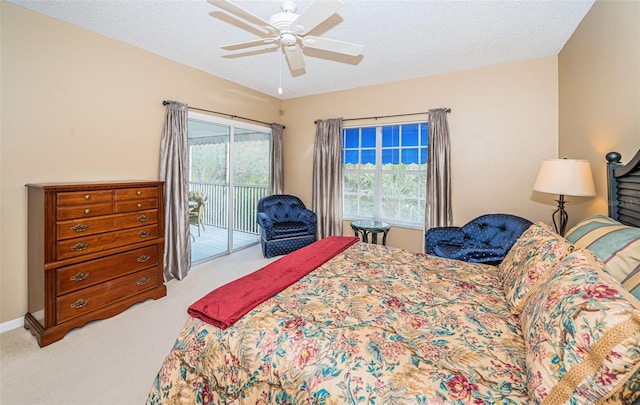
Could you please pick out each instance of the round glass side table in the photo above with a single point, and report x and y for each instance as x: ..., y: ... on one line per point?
x: 364, y: 228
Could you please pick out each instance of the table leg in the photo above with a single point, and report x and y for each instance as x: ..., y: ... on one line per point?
x: 384, y: 238
x: 374, y: 238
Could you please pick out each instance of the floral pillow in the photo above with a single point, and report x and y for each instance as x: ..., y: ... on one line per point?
x: 582, y: 335
x: 533, y: 255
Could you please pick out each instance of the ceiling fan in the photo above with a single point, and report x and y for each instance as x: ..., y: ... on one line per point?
x: 290, y: 30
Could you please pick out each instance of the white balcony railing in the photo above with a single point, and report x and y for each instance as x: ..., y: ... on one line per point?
x: 246, y: 201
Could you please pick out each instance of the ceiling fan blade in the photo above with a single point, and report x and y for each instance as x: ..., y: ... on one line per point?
x: 248, y: 44
x: 243, y: 14
x: 332, y: 45
x: 294, y: 57
x: 313, y: 16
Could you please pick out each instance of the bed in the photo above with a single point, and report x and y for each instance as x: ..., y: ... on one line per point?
x: 380, y: 325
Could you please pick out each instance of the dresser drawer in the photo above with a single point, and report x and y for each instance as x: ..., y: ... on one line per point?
x: 89, y: 299
x: 96, y: 243
x: 135, y: 205
x: 84, y: 211
x: 136, y: 193
x: 78, y: 276
x: 84, y: 197
x: 90, y: 226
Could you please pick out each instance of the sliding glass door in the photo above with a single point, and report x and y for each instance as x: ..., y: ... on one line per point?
x: 229, y: 173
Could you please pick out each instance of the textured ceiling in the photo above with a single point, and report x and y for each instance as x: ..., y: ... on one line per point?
x: 402, y: 39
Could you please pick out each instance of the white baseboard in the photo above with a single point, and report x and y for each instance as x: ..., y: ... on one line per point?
x: 11, y: 325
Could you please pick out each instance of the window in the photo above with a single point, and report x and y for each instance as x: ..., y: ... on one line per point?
x: 384, y: 173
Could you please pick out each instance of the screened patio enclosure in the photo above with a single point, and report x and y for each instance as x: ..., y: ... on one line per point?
x: 229, y: 165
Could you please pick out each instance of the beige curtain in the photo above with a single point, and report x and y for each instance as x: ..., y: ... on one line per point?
x: 275, y: 168
x: 174, y: 170
x: 327, y: 177
x: 438, y: 204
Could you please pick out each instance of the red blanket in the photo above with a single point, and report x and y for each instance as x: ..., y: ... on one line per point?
x: 223, y: 306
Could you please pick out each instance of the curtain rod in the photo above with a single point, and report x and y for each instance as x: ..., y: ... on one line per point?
x: 165, y: 102
x: 448, y: 110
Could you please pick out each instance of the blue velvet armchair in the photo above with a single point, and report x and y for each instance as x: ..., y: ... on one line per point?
x: 486, y: 239
x: 286, y: 224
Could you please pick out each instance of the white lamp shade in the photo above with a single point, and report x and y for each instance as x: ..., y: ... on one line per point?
x: 565, y: 176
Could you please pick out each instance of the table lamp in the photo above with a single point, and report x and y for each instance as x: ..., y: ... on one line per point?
x: 564, y: 177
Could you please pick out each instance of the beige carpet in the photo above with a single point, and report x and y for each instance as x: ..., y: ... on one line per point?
x: 112, y: 361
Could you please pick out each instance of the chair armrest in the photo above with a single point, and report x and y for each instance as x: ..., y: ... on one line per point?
x: 449, y: 234
x: 264, y: 221
x: 308, y: 217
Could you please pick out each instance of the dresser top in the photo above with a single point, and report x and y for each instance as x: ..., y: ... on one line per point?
x: 96, y: 185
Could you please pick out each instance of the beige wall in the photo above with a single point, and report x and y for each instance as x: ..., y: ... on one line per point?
x: 599, y: 92
x: 504, y: 121
x: 77, y: 106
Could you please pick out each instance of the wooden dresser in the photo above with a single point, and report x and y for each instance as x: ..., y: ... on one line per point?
x: 94, y: 250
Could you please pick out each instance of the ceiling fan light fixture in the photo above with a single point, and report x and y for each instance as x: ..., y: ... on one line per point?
x: 288, y: 38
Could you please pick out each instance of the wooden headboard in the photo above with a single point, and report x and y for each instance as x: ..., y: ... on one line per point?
x: 624, y: 189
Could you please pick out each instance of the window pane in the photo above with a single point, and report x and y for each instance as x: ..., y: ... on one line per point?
x: 369, y: 137
x: 351, y: 183
x: 367, y: 183
x: 367, y: 206
x: 424, y: 134
x: 390, y: 208
x: 411, y: 210
x: 389, y: 185
x: 368, y: 156
x: 351, y: 138
x: 410, y: 135
x: 350, y: 205
x: 421, y: 181
x: 391, y: 135
x: 423, y: 157
x: 350, y: 157
x: 390, y: 156
x: 409, y: 156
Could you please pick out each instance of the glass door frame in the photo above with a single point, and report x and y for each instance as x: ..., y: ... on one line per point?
x: 232, y: 126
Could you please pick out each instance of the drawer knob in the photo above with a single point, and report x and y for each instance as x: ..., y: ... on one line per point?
x: 143, y: 281
x: 87, y: 197
x: 139, y: 205
x: 144, y: 258
x: 87, y: 211
x: 79, y: 228
x: 139, y: 192
x: 143, y: 234
x: 80, y: 303
x: 143, y: 218
x: 79, y: 247
x: 80, y: 276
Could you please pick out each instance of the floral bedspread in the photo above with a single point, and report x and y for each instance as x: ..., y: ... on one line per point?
x: 374, y: 325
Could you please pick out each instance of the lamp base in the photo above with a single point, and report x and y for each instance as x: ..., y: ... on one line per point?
x: 560, y: 217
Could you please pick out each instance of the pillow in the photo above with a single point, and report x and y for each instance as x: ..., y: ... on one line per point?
x: 582, y: 335
x: 617, y: 245
x: 528, y: 261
